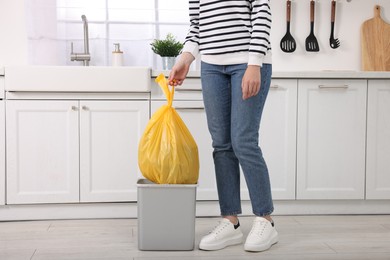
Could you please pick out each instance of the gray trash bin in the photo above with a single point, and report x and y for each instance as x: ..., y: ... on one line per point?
x: 166, y: 216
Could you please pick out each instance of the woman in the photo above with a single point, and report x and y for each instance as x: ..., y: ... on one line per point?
x: 232, y: 38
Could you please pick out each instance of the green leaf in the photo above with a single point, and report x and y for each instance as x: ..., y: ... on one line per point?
x: 169, y: 47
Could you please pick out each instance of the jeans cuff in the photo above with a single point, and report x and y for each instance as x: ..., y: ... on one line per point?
x: 231, y: 213
x: 262, y: 214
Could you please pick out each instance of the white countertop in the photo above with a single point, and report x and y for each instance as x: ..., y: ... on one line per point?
x: 331, y: 74
x: 297, y: 74
x: 77, y: 79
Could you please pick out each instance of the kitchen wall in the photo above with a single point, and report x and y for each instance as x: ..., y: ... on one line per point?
x: 350, y: 15
x: 13, y: 39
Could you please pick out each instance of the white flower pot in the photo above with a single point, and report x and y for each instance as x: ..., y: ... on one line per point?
x: 168, y: 62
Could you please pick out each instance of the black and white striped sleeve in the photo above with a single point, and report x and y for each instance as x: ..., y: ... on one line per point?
x: 261, y: 27
x: 191, y: 43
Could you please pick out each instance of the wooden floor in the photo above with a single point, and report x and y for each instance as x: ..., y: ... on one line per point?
x: 301, y: 237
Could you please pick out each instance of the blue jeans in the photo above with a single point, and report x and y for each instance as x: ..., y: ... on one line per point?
x: 234, y: 127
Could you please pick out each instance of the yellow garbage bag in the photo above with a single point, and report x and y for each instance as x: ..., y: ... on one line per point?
x: 167, y: 152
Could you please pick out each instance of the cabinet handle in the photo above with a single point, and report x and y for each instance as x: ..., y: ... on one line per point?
x: 74, y: 108
x: 274, y: 86
x: 333, y: 86
x: 189, y: 108
x: 84, y: 107
x: 183, y: 89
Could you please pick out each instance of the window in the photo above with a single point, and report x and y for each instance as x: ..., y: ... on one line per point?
x: 53, y: 25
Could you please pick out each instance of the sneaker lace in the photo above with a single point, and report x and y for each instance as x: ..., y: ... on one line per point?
x: 258, y: 228
x: 218, y: 228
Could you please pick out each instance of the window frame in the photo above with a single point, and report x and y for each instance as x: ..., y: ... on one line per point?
x: 106, y: 22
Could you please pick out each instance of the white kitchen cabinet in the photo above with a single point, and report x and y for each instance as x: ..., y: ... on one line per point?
x: 71, y: 151
x: 378, y: 140
x: 331, y: 139
x: 109, y: 136
x: 42, y: 151
x: 193, y: 114
x: 2, y: 152
x: 278, y: 137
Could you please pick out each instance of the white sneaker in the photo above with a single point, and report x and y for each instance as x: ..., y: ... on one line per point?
x: 262, y: 236
x: 223, y: 235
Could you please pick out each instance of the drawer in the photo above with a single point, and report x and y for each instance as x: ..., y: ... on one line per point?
x: 190, y: 90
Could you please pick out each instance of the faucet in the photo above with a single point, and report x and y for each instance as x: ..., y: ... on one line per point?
x: 86, y: 56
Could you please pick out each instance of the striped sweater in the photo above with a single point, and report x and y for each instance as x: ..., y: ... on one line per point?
x: 230, y: 31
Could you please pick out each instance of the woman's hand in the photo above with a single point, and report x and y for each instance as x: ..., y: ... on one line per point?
x: 251, y: 82
x: 180, y: 69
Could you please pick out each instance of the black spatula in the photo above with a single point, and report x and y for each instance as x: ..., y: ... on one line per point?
x: 288, y: 44
x: 311, y: 40
x: 334, y: 43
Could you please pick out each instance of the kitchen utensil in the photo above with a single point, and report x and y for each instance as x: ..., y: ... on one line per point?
x: 288, y: 44
x: 375, y: 42
x: 311, y: 40
x: 334, y: 43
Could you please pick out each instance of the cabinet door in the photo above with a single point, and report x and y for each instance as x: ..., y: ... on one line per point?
x: 109, y: 136
x: 42, y: 151
x: 193, y: 115
x: 2, y: 153
x: 278, y: 137
x: 331, y: 139
x: 378, y: 140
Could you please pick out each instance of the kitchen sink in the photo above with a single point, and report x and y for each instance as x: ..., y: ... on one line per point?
x: 77, y: 79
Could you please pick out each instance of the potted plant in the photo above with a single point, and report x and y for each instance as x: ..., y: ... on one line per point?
x: 168, y: 48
